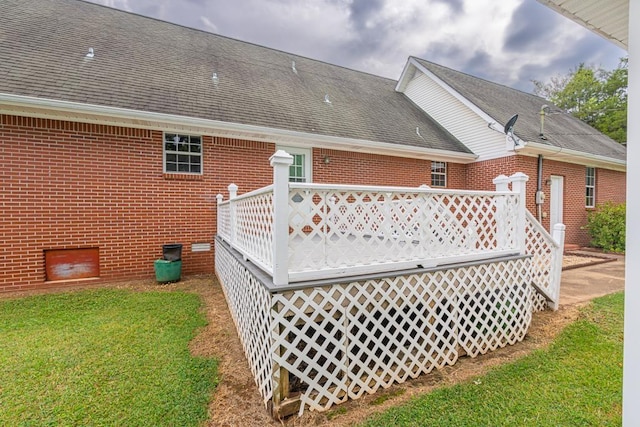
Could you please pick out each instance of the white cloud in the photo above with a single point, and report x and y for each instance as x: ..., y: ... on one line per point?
x: 510, y: 41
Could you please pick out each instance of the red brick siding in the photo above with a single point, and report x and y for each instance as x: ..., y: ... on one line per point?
x: 76, y: 185
x: 72, y: 185
x: 610, y: 185
x: 371, y: 169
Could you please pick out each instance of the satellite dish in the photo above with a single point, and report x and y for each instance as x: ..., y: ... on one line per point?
x: 508, y: 128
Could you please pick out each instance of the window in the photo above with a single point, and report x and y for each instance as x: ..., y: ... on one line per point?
x: 300, y: 170
x: 590, y: 183
x: 438, y: 174
x: 182, y: 153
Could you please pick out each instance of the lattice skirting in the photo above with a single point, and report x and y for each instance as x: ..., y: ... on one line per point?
x: 337, y: 342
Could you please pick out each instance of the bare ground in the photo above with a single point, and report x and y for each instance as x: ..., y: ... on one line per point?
x: 236, y: 401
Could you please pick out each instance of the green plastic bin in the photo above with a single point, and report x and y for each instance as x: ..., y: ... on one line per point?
x: 168, y: 271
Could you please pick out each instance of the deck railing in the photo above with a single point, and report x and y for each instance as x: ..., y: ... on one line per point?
x: 302, y: 231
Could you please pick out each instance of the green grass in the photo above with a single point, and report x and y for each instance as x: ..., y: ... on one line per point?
x: 103, y: 357
x: 577, y: 381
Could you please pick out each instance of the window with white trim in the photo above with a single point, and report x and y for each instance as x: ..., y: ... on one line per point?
x: 590, y: 184
x: 182, y: 153
x: 438, y: 174
x: 300, y: 170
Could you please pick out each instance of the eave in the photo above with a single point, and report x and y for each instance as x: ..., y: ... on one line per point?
x: 532, y: 148
x: 106, y: 115
x: 609, y: 20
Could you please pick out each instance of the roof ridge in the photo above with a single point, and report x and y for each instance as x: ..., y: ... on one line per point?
x: 89, y: 2
x: 479, y: 78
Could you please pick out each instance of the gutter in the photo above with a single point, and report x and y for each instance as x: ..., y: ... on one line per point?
x: 115, y: 116
x: 532, y: 148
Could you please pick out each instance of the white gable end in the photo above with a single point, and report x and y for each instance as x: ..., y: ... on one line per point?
x: 467, y: 125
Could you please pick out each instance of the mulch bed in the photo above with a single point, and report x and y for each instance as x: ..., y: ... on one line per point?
x: 585, y: 258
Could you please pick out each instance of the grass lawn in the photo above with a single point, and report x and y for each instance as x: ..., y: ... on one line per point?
x: 575, y: 382
x: 103, y: 357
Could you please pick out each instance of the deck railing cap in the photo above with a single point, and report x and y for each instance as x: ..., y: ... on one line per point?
x: 281, y: 157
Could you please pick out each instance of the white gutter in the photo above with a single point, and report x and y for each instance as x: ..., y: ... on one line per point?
x: 100, y: 114
x: 532, y: 148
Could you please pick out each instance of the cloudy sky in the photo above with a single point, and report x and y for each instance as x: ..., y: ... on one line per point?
x: 506, y: 41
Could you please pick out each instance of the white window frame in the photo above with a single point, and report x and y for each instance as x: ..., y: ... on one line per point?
x: 165, y: 135
x: 591, y: 187
x: 439, y: 174
x: 307, y: 153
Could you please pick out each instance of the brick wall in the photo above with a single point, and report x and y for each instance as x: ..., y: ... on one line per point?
x: 68, y: 185
x: 610, y: 185
x: 72, y: 185
x: 371, y: 169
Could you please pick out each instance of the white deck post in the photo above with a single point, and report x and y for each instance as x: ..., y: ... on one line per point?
x: 280, y: 163
x: 233, y: 193
x: 556, y: 269
x: 519, y: 185
x: 556, y: 264
x: 219, y: 199
x: 502, y: 184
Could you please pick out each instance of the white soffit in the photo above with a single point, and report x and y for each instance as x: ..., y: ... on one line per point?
x: 609, y: 19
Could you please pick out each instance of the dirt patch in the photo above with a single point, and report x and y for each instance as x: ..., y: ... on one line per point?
x: 237, y: 402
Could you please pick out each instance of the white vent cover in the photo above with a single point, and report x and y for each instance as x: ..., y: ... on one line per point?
x: 200, y: 247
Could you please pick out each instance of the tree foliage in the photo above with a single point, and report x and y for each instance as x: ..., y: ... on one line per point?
x: 595, y: 96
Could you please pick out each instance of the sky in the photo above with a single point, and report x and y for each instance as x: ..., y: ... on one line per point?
x: 510, y: 42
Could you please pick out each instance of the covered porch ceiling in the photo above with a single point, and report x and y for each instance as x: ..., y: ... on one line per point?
x: 609, y: 19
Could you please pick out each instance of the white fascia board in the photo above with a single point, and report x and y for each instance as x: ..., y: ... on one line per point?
x: 99, y: 114
x: 473, y: 107
x: 572, y: 156
x: 405, y: 77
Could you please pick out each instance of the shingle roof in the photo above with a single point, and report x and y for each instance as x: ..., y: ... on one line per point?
x: 501, y: 102
x: 150, y: 65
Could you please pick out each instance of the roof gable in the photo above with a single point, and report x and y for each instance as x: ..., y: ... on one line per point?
x: 562, y: 131
x: 149, y: 65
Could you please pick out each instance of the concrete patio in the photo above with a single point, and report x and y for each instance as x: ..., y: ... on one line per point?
x: 585, y: 283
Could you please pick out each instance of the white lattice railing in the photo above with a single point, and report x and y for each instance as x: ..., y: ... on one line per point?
x: 301, y: 231
x: 246, y: 222
x: 345, y: 230
x: 324, y: 345
x: 546, y: 261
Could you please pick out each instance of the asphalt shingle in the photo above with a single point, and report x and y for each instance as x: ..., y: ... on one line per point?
x: 145, y: 64
x: 501, y: 102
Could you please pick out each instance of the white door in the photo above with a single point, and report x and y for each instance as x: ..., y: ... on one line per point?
x: 557, y: 200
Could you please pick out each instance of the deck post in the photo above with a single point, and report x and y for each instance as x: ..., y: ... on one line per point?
x: 556, y: 264
x: 519, y: 185
x: 219, y: 199
x: 233, y: 193
x: 280, y: 163
x: 502, y: 184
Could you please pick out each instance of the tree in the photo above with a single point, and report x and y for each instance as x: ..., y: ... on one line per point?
x: 593, y: 95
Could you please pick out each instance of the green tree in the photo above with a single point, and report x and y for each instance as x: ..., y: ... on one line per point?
x: 595, y: 96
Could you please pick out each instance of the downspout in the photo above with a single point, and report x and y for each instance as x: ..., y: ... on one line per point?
x: 539, y: 193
